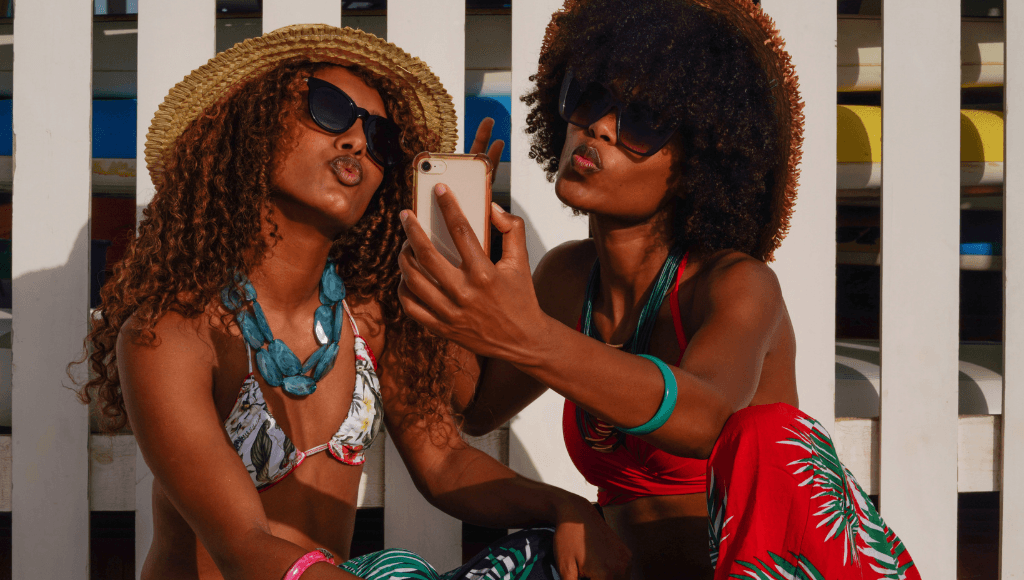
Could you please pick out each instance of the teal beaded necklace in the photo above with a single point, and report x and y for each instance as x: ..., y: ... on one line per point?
x: 599, y: 435
x: 277, y: 363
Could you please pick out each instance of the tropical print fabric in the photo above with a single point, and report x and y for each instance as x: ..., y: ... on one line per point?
x: 782, y: 506
x: 524, y: 555
x: 267, y: 452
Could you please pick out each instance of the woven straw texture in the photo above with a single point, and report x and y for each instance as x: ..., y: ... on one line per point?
x: 431, y: 105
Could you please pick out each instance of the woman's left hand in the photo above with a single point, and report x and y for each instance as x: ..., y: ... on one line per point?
x: 586, y: 547
x: 490, y: 309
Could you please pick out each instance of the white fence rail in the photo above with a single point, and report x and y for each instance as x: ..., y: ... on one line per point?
x: 917, y: 453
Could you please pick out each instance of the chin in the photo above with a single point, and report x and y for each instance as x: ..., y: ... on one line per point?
x: 572, y: 192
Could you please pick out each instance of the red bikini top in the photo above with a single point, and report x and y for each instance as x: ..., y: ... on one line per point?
x: 636, y: 468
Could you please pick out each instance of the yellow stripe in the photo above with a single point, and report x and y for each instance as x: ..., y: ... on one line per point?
x: 859, y: 135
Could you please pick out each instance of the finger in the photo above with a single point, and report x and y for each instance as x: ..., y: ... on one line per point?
x: 417, y: 310
x: 431, y: 262
x: 466, y: 242
x: 568, y: 570
x: 483, y: 136
x: 421, y: 285
x: 513, y: 236
x: 494, y: 154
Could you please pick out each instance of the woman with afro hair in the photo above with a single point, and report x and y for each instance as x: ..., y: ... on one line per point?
x: 676, y: 126
x: 238, y: 334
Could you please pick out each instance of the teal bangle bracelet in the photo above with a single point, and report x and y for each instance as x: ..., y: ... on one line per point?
x: 668, y: 401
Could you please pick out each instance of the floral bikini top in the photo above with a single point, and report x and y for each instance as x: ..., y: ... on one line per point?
x: 268, y: 453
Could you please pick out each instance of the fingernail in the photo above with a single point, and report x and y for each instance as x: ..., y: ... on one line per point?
x: 440, y: 190
x: 497, y: 207
x: 403, y: 215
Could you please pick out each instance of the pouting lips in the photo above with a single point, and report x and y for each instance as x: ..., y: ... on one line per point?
x: 586, y: 159
x: 348, y: 169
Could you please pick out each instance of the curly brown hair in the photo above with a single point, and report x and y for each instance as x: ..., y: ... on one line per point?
x: 206, y: 223
x: 733, y: 171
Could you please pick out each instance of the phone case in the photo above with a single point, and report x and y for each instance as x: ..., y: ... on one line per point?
x: 468, y: 177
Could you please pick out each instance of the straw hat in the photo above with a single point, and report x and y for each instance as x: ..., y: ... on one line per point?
x: 431, y: 105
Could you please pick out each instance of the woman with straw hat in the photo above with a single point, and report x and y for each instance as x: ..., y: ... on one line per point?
x: 238, y: 335
x: 676, y: 126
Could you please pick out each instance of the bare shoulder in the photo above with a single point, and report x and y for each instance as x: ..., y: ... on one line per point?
x: 738, y: 282
x: 561, y: 277
x: 171, y: 332
x: 175, y: 344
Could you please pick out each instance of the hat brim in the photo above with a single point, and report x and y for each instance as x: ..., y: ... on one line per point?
x: 430, y: 103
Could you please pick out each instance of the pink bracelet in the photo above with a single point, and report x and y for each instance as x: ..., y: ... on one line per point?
x: 300, y: 565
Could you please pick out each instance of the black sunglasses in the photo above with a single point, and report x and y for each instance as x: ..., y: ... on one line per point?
x: 334, y: 111
x: 637, y: 127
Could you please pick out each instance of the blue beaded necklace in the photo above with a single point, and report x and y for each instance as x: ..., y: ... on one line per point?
x: 277, y: 363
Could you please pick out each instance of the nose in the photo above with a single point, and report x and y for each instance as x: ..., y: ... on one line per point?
x: 604, y: 128
x: 352, y: 141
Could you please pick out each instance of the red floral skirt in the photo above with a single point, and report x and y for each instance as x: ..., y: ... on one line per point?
x: 781, y: 505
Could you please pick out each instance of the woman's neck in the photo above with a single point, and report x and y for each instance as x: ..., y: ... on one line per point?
x: 288, y: 278
x: 631, y: 257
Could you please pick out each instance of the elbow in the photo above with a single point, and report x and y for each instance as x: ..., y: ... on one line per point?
x: 706, y: 434
x: 477, y: 429
x: 478, y: 424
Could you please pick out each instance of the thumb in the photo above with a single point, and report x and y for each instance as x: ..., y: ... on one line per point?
x: 513, y: 235
x: 568, y: 570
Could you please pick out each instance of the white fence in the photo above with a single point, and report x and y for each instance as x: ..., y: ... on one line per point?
x: 917, y: 453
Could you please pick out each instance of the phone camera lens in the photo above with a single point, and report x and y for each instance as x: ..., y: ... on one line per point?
x: 425, y: 166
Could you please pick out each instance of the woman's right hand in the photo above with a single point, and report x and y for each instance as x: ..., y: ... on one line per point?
x: 586, y: 547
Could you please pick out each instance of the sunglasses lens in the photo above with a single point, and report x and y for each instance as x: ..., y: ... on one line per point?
x: 383, y: 140
x: 639, y: 130
x: 331, y: 109
x: 569, y: 98
x: 583, y: 105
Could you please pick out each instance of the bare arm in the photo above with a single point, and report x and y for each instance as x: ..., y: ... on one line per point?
x: 470, y: 485
x: 167, y: 389
x: 493, y: 311
x: 503, y: 390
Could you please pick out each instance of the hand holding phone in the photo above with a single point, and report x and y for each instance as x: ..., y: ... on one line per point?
x: 468, y: 177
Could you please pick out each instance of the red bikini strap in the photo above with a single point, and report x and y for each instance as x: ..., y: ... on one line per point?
x: 677, y: 318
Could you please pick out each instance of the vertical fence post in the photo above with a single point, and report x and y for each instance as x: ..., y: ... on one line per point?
x: 535, y: 435
x: 435, y: 32
x: 174, y: 38
x: 806, y: 262
x: 278, y: 13
x: 1011, y: 529
x: 920, y: 278
x: 50, y: 272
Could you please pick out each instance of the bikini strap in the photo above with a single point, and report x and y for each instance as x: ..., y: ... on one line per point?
x: 351, y: 319
x: 677, y: 318
x: 248, y: 354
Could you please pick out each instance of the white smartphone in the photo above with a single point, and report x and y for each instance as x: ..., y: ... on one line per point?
x: 468, y: 177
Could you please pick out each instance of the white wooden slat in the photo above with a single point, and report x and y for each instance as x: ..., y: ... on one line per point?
x: 806, y: 261
x: 174, y: 38
x: 978, y: 459
x: 50, y: 273
x: 435, y: 32
x: 1012, y: 504
x: 920, y: 278
x: 535, y: 435
x: 112, y: 470
x: 278, y: 13
x: 411, y: 523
